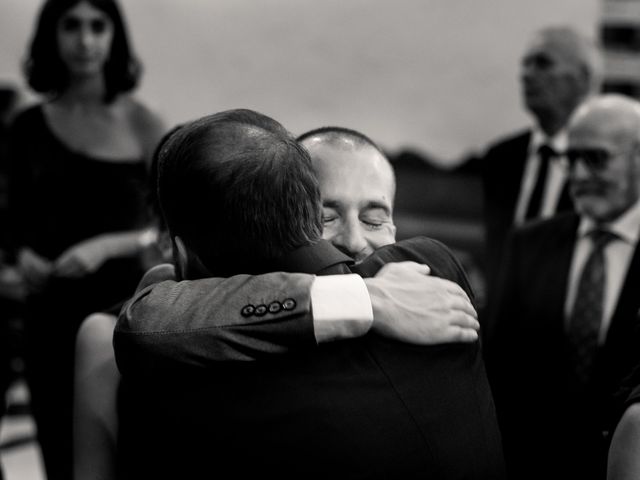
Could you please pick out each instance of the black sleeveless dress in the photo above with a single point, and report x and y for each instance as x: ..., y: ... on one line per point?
x: 57, y: 198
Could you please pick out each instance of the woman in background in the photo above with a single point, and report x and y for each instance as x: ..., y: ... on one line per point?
x: 77, y: 197
x: 96, y: 376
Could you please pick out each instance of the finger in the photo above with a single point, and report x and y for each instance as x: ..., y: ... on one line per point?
x: 416, y: 267
x: 449, y: 286
x: 465, y: 321
x: 463, y: 335
x: 463, y: 305
x: 456, y: 289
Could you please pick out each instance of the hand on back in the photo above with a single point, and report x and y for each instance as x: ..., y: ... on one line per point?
x: 411, y: 306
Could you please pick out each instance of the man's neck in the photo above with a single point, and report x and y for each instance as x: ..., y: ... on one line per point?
x: 552, y: 124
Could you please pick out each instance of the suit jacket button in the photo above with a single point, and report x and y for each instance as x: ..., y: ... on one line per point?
x: 275, y: 307
x: 289, y: 304
x: 261, y: 310
x: 247, y: 310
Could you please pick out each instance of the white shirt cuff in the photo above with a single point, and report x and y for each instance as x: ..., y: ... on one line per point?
x: 341, y: 307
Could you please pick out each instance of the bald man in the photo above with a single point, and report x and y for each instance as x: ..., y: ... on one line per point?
x: 567, y: 322
x: 560, y: 68
x: 357, y: 186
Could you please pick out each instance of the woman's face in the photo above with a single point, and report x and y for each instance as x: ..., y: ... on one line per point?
x: 84, y: 36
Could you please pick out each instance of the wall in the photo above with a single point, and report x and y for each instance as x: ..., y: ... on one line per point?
x: 436, y: 75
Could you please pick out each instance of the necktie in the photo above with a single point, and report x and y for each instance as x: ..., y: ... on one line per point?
x: 545, y: 153
x: 565, y: 202
x: 584, y: 323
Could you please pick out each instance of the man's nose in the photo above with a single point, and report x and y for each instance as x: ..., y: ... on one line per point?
x: 579, y: 170
x: 351, y: 238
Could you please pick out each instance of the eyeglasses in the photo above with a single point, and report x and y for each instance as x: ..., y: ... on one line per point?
x: 595, y: 159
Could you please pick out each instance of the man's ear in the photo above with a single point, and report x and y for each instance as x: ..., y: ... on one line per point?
x: 188, y: 264
x: 180, y: 257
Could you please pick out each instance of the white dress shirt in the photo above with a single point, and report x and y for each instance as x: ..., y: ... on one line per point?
x: 556, y: 175
x: 617, y: 253
x: 341, y: 307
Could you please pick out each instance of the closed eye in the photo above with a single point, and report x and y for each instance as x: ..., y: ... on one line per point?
x: 372, y: 225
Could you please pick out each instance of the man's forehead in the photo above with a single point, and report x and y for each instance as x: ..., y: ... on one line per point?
x: 602, y: 122
x: 326, y: 142
x: 553, y: 48
x: 343, y: 151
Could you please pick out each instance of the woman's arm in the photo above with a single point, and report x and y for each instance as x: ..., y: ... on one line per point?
x: 89, y: 255
x: 95, y: 418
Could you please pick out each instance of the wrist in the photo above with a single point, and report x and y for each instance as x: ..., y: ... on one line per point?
x: 378, y: 299
x: 341, y: 307
x: 147, y: 238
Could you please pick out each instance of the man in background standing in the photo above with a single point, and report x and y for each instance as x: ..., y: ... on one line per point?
x: 524, y: 175
x: 567, y: 319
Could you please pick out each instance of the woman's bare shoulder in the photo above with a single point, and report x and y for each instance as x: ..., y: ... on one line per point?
x: 96, y: 333
x: 148, y: 124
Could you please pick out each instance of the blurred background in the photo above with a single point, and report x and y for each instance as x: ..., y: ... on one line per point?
x: 432, y: 81
x: 434, y: 75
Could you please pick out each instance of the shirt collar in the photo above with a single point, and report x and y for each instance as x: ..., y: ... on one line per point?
x: 626, y: 226
x: 559, y: 142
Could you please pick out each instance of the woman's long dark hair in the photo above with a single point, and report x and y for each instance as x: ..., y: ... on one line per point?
x: 45, y: 70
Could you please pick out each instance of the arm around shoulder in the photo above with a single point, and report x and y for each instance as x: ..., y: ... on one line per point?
x: 197, y: 322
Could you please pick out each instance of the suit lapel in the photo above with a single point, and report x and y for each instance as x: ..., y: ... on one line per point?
x: 620, y: 352
x: 625, y: 316
x: 565, y: 202
x: 558, y: 265
x: 514, y: 167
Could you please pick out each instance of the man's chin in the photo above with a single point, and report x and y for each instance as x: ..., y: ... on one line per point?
x: 593, y: 207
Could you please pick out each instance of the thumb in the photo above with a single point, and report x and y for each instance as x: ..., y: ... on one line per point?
x: 417, y: 267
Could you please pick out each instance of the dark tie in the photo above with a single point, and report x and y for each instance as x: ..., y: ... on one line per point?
x: 565, y: 202
x: 584, y: 323
x: 545, y: 153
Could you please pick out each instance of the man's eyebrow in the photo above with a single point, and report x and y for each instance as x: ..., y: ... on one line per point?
x: 370, y: 205
x: 331, y: 204
x: 374, y: 205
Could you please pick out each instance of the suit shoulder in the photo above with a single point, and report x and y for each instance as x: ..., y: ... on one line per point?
x: 421, y: 248
x: 515, y: 140
x: 548, y: 227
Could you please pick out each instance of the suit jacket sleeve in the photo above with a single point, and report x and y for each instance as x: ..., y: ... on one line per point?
x: 196, y: 322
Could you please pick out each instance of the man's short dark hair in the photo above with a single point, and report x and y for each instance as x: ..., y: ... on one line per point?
x: 239, y: 190
x: 47, y: 73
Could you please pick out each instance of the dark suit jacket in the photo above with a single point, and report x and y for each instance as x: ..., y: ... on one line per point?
x: 366, y: 408
x: 544, y: 420
x: 502, y: 171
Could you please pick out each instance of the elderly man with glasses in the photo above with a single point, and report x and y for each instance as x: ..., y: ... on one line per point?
x: 565, y: 331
